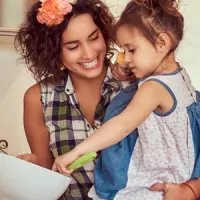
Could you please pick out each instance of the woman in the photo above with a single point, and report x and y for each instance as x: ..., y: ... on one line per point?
x: 67, y: 47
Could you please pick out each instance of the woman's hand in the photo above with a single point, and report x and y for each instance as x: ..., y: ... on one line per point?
x: 174, y: 191
x: 61, y: 162
x: 32, y: 158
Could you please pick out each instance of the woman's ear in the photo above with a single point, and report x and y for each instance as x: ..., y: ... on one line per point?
x: 163, y: 43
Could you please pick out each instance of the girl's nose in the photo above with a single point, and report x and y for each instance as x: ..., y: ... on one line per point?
x: 127, y: 58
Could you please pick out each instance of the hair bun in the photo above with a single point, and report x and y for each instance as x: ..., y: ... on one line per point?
x: 168, y: 6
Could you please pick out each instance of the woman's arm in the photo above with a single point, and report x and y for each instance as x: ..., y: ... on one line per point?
x: 35, y: 129
x: 195, y: 184
x: 185, y: 191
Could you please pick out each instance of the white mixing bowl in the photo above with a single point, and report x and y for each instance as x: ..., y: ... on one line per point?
x: 20, y: 180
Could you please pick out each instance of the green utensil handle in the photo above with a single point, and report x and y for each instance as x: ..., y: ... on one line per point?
x: 82, y: 160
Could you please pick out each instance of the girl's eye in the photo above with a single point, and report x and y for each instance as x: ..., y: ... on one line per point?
x: 131, y: 50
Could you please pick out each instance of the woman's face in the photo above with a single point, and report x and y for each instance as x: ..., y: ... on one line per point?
x: 83, y: 47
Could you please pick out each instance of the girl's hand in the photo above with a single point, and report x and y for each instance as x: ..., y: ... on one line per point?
x: 174, y: 191
x: 61, y: 163
x: 32, y: 158
x: 120, y: 74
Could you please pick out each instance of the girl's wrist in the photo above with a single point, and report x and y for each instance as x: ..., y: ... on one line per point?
x: 77, y: 151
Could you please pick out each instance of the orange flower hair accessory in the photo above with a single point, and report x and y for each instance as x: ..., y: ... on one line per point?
x: 52, y: 12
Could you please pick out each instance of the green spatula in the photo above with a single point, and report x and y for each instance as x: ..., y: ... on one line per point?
x: 82, y: 160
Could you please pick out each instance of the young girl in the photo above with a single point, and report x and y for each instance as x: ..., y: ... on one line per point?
x: 149, y: 32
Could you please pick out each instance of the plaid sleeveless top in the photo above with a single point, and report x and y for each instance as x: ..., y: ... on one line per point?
x: 68, y: 127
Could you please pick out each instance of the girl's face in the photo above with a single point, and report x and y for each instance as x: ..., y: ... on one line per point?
x: 140, y: 54
x: 83, y: 47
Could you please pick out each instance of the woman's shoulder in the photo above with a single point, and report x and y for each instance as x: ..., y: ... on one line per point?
x: 38, y: 93
x: 40, y: 86
x: 32, y: 94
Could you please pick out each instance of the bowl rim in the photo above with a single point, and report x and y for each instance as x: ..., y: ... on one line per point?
x: 6, y: 156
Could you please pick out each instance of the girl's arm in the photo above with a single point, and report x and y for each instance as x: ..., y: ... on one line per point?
x: 146, y: 100
x: 148, y: 97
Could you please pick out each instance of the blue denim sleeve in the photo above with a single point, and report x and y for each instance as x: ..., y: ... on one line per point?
x: 194, y: 116
x: 198, y: 96
x: 111, y: 169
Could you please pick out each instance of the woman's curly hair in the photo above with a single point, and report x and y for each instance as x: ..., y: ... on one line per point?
x: 40, y: 45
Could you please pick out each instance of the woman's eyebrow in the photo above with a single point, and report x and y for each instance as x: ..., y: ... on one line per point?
x: 71, y: 42
x: 93, y: 33
x: 76, y: 41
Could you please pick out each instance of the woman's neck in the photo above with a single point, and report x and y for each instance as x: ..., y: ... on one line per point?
x: 81, y: 83
x: 88, y: 94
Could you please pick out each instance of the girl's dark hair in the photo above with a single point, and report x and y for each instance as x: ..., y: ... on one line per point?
x: 40, y: 45
x: 152, y: 17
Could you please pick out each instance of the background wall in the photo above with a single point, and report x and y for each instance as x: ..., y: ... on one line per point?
x: 15, y: 79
